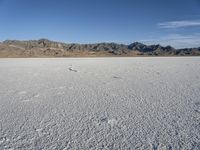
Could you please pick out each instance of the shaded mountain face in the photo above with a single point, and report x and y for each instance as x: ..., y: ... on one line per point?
x: 47, y: 48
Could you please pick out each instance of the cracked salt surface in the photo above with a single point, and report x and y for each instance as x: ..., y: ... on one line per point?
x: 109, y: 103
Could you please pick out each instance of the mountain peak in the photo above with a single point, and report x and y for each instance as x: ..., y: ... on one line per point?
x: 46, y: 47
x: 136, y: 46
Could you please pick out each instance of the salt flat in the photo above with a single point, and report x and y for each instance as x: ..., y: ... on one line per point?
x: 100, y: 103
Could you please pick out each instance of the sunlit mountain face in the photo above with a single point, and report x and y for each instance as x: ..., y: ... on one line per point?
x: 47, y: 48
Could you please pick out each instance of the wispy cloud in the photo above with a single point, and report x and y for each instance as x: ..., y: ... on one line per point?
x: 179, y: 24
x: 176, y: 40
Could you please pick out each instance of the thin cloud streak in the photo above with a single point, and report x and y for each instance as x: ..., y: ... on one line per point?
x: 179, y: 24
x: 176, y: 40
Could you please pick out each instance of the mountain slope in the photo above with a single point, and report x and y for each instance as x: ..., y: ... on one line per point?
x: 47, y: 48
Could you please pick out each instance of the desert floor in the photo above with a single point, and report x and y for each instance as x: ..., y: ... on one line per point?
x: 100, y: 103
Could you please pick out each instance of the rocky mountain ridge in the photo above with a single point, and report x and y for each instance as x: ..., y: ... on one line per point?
x: 47, y: 48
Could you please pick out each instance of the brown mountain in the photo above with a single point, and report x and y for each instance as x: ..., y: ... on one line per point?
x: 47, y: 48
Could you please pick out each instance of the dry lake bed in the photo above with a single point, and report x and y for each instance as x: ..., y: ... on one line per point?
x: 100, y: 103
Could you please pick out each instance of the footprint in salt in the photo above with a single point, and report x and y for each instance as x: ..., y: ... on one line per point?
x: 26, y: 100
x: 9, y: 148
x: 112, y: 122
x: 31, y: 98
x: 62, y: 87
x: 197, y: 107
x: 158, y: 73
x: 71, y: 69
x: 71, y: 87
x: 39, y: 131
x: 60, y: 93
x: 2, y: 140
x: 22, y: 92
x: 116, y: 77
x: 36, y: 96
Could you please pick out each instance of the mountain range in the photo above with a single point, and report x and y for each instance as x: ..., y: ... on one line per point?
x: 48, y: 48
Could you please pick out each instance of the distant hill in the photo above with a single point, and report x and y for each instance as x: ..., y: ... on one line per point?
x: 47, y: 48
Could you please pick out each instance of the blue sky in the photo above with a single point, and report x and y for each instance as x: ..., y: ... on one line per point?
x: 168, y: 22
